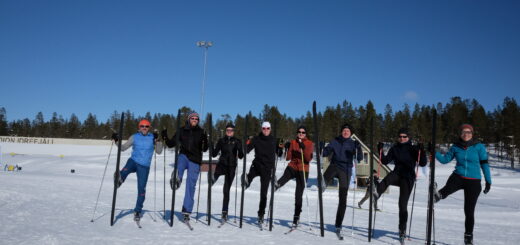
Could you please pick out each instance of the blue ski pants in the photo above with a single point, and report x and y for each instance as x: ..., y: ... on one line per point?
x: 191, y: 181
x: 142, y: 177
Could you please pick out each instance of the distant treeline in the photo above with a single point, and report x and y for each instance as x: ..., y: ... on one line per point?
x: 493, y: 126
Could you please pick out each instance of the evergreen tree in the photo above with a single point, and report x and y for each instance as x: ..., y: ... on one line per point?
x: 3, y: 122
x: 39, y: 126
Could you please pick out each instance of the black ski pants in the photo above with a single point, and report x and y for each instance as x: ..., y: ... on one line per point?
x: 405, y: 189
x: 229, y: 173
x: 265, y: 178
x: 344, y: 181
x: 472, y: 188
x: 289, y: 174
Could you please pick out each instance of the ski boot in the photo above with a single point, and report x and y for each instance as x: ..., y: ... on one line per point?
x: 276, y: 186
x: 338, y: 233
x: 245, y: 182
x: 468, y: 239
x: 224, y: 216
x: 375, y: 193
x: 175, y: 184
x: 402, y: 237
x: 260, y: 220
x: 186, y: 217
x: 213, y: 179
x: 137, y: 216
x: 119, y: 181
x: 296, y: 222
x: 323, y: 184
x: 436, y: 195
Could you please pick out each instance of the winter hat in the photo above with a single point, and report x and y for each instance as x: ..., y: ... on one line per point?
x: 403, y: 131
x: 466, y: 126
x: 230, y: 125
x: 144, y: 122
x: 192, y: 114
x: 301, y: 127
x: 266, y: 125
x: 346, y: 125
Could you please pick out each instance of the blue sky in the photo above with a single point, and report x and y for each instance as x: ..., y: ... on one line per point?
x: 100, y: 56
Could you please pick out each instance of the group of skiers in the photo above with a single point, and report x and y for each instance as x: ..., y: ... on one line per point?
x: 343, y: 151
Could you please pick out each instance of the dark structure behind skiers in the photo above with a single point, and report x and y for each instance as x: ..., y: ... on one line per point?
x: 367, y: 193
x: 143, y: 144
x: 266, y: 149
x: 230, y: 148
x: 300, y: 149
x: 343, y: 150
x: 193, y: 141
x: 471, y: 157
x: 405, y: 157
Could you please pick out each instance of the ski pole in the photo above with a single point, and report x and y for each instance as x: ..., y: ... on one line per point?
x: 414, y: 188
x: 236, y: 191
x: 154, y: 184
x: 306, y: 194
x: 433, y: 219
x: 164, y: 180
x: 353, y: 203
x: 373, y: 184
x: 354, y: 197
x: 198, y: 198
x: 102, y: 179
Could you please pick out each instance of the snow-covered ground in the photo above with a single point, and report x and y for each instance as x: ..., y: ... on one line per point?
x: 47, y: 204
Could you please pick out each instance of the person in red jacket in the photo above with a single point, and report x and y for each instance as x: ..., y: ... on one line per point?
x: 300, y: 149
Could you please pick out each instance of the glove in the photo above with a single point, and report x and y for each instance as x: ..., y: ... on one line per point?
x: 302, y: 146
x: 164, y: 134
x: 248, y: 141
x: 380, y: 146
x: 115, y: 137
x: 155, y: 134
x: 488, y: 186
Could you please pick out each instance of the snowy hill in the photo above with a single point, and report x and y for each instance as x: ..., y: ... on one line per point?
x: 45, y: 203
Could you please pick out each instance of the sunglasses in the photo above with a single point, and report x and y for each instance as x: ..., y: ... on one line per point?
x: 266, y: 128
x: 194, y: 118
x: 144, y: 126
x: 403, y: 137
x: 301, y: 132
x: 466, y: 132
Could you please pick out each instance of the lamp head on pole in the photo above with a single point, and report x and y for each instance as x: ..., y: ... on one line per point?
x: 205, y: 44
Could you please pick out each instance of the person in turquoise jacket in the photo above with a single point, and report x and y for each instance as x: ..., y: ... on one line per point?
x: 143, y: 145
x: 471, y: 158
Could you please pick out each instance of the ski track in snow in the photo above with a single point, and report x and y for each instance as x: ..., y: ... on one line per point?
x: 47, y: 204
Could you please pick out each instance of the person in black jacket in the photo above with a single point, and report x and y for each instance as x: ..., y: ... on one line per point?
x: 230, y: 148
x: 405, y: 157
x: 343, y: 150
x: 193, y: 142
x: 266, y: 148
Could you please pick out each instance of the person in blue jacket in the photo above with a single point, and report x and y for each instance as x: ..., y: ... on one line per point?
x: 471, y: 157
x: 143, y: 145
x: 342, y: 150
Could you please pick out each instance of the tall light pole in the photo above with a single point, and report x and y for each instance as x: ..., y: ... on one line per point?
x: 205, y: 45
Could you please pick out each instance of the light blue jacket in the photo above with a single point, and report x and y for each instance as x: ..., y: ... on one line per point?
x: 470, y: 161
x: 142, y: 150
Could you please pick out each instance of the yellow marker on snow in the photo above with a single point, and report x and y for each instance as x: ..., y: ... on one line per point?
x: 12, y: 154
x: 61, y: 156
